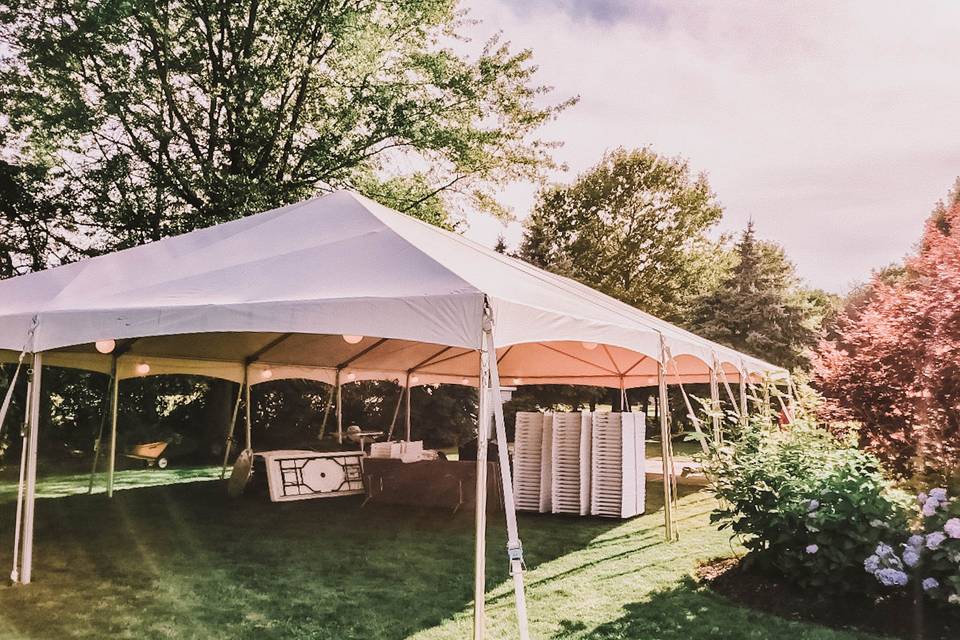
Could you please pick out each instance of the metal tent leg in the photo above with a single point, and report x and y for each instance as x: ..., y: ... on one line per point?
x: 30, y: 493
x: 665, y: 448
x: 480, y: 540
x: 114, y: 399
x: 228, y: 443
x: 248, y: 439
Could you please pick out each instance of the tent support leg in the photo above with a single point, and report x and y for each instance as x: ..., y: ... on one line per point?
x: 18, y: 520
x: 326, y: 414
x: 339, y: 391
x: 114, y: 399
x: 228, y: 443
x: 744, y: 408
x: 665, y: 451
x: 514, y: 546
x: 30, y: 496
x: 396, y: 412
x: 248, y: 438
x: 715, y: 404
x: 98, y: 443
x: 407, y: 417
x: 480, y: 540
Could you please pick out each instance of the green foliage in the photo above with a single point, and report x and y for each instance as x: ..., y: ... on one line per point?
x: 804, y: 503
x: 632, y: 227
x: 760, y: 307
x: 159, y: 118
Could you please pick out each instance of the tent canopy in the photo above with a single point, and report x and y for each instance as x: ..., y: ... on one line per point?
x: 276, y: 293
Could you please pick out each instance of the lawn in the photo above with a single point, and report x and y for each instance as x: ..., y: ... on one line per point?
x: 180, y: 561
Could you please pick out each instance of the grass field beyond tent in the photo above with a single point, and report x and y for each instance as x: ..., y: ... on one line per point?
x: 180, y: 561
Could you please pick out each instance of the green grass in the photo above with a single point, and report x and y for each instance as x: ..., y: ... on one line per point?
x: 181, y: 561
x: 682, y: 449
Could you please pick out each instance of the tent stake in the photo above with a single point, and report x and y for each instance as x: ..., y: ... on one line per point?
x: 480, y: 540
x: 114, y: 398
x: 31, y: 479
x: 228, y: 443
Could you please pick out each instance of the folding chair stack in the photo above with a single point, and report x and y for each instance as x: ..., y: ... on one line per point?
x: 618, y: 487
x: 528, y: 460
x: 570, y: 489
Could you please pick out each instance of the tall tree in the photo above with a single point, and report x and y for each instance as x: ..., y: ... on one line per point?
x: 893, y: 363
x: 162, y: 117
x: 633, y: 227
x: 760, y: 308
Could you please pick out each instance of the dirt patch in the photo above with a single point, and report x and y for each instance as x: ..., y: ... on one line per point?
x: 888, y: 615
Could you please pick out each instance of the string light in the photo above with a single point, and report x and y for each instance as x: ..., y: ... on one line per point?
x: 589, y: 346
x: 414, y: 379
x: 352, y: 339
x: 266, y: 374
x: 143, y: 369
x: 518, y: 381
x: 465, y: 381
x: 105, y: 346
x: 351, y: 377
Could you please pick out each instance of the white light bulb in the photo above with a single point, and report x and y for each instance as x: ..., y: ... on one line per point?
x: 351, y: 377
x: 414, y: 379
x: 266, y: 374
x: 518, y: 381
x: 589, y: 346
x: 352, y: 339
x: 465, y: 381
x: 143, y: 369
x: 105, y: 346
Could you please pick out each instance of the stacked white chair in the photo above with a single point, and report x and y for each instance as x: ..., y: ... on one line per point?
x: 571, y: 463
x: 618, y: 487
x: 546, y: 466
x: 527, y: 460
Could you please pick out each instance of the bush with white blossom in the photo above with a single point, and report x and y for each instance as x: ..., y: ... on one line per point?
x: 931, y: 554
x: 805, y: 504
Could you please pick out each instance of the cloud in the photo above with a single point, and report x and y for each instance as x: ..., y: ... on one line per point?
x: 833, y: 125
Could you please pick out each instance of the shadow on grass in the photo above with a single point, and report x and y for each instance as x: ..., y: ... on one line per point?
x: 690, y: 612
x: 183, y: 561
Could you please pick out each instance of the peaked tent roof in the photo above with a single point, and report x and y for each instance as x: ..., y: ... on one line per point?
x: 276, y: 290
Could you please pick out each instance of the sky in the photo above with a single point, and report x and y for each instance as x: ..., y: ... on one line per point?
x: 835, y: 126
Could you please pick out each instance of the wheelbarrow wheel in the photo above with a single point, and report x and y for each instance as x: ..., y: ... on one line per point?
x: 162, y: 463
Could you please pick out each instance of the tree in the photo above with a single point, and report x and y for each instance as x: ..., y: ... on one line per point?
x: 162, y: 117
x: 760, y: 308
x: 893, y: 364
x: 633, y: 227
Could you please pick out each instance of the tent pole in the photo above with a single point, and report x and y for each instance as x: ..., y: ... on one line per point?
x: 114, y: 399
x: 228, y: 444
x: 665, y: 446
x: 326, y: 413
x: 744, y: 408
x: 407, y: 417
x: 715, y: 403
x: 98, y: 443
x: 31, y: 479
x: 248, y: 440
x: 514, y: 546
x: 396, y: 412
x: 339, y: 391
x: 480, y: 540
x: 24, y: 445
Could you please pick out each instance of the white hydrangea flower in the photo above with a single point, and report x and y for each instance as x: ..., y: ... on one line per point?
x: 930, y: 583
x: 812, y: 548
x: 952, y: 527
x: 935, y: 539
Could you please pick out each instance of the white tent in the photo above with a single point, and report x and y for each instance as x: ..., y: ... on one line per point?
x: 340, y: 288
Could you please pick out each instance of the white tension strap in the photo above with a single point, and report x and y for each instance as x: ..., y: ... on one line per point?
x: 701, y: 436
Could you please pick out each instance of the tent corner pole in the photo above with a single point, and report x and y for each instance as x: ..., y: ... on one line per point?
x: 228, y: 443
x: 715, y: 403
x: 248, y: 438
x: 480, y: 542
x: 514, y: 545
x: 667, y: 462
x: 114, y: 411
x: 407, y: 408
x: 26, y: 566
x: 339, y: 391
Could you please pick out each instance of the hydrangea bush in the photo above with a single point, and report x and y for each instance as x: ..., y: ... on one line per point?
x: 931, y: 554
x: 806, y: 504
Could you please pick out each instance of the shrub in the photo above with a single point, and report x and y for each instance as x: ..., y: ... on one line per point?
x: 805, y: 503
x: 931, y: 554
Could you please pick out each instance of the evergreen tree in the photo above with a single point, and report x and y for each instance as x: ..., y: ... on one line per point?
x: 760, y: 308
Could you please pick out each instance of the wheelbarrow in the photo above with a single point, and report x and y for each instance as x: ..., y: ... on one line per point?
x: 151, y: 453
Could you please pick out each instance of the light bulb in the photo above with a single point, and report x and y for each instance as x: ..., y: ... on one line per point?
x: 465, y: 381
x: 589, y: 346
x: 518, y: 381
x: 266, y: 374
x: 414, y: 379
x: 351, y: 377
x: 143, y: 369
x: 352, y: 339
x: 105, y: 346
